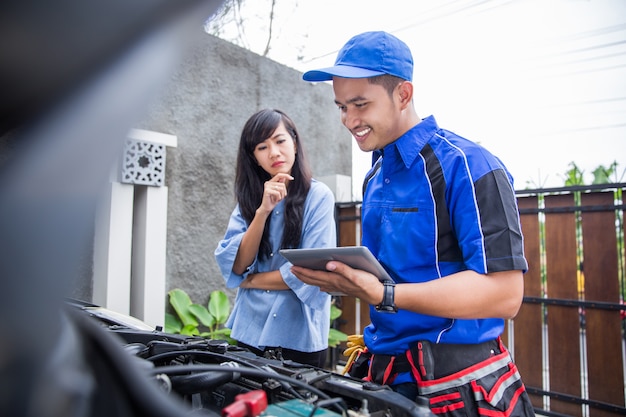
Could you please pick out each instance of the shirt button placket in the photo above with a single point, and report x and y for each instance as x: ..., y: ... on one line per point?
x: 383, y: 218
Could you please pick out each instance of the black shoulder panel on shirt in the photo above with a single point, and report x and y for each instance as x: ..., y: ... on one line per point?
x: 447, y: 244
x: 373, y: 172
x: 499, y: 217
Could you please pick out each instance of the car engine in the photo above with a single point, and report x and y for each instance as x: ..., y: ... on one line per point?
x: 213, y: 378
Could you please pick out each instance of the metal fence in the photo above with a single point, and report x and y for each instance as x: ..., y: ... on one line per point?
x: 568, y: 338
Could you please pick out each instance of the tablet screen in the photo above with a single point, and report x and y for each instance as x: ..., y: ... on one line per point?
x: 357, y: 257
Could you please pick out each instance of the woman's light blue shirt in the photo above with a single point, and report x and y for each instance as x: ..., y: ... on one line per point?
x: 298, y: 318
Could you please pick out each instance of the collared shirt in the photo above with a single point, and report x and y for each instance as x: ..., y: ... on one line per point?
x: 298, y: 318
x: 436, y: 204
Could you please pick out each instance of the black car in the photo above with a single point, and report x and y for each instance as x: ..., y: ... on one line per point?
x: 213, y: 378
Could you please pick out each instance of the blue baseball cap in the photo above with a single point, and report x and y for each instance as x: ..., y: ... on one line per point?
x: 368, y: 55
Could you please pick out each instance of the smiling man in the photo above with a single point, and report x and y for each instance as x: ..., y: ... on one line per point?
x: 452, y: 243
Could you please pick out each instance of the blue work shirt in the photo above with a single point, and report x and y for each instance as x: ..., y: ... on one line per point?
x: 298, y: 318
x: 436, y: 204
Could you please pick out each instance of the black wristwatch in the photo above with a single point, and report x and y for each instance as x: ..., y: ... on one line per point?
x: 387, y: 305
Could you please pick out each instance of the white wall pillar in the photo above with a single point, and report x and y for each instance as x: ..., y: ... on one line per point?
x: 340, y: 185
x: 131, y: 232
x: 148, y: 287
x: 112, y: 249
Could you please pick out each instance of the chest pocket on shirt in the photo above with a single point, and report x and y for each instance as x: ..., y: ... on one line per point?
x: 405, y: 210
x: 407, y: 233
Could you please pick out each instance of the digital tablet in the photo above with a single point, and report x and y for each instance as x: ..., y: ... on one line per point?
x: 357, y: 257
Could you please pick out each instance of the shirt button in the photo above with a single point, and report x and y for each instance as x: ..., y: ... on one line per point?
x: 277, y: 212
x: 274, y: 315
x: 272, y: 254
x: 387, y: 180
x: 267, y: 291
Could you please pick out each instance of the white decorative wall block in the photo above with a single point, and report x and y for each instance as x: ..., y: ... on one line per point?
x: 144, y: 163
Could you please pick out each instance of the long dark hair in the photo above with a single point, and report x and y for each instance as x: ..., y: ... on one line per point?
x: 250, y: 177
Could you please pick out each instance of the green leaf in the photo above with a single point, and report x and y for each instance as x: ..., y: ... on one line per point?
x: 223, y: 334
x: 180, y: 301
x: 202, y: 314
x: 219, y: 306
x: 574, y: 176
x: 335, y: 337
x: 335, y: 312
x: 220, y: 333
x: 190, y: 330
x: 172, y: 324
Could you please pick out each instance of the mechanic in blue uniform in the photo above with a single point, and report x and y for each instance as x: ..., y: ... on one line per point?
x: 440, y: 214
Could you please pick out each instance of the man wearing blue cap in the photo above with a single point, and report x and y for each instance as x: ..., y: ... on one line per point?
x: 440, y: 214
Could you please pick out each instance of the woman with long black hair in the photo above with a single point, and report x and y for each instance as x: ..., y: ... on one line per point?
x: 279, y: 206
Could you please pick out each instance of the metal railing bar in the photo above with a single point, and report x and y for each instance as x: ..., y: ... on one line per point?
x: 593, y: 187
x: 572, y: 209
x: 577, y: 400
x: 599, y: 305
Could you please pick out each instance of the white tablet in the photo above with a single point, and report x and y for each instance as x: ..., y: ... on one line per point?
x: 357, y: 257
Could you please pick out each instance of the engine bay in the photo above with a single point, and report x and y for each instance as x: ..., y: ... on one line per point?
x: 213, y: 378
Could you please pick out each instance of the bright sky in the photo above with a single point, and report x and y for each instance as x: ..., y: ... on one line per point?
x: 540, y: 83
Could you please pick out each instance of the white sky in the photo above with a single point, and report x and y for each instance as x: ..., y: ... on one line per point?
x: 540, y: 83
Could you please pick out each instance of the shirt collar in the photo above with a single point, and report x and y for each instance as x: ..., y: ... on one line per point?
x: 411, y: 143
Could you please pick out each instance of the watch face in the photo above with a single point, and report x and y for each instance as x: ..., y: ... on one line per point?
x: 386, y: 309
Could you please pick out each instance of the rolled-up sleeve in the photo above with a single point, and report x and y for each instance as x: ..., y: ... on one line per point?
x: 227, y: 249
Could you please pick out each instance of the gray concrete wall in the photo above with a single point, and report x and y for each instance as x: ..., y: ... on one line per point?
x: 206, y: 104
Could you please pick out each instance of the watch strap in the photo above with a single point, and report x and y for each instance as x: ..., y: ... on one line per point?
x: 388, y: 305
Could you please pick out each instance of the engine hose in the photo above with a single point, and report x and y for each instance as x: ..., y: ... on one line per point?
x: 203, y: 381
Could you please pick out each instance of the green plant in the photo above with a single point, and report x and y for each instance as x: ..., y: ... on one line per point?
x: 196, y: 320
x: 603, y: 175
x: 335, y: 336
x: 191, y: 319
x: 574, y: 176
